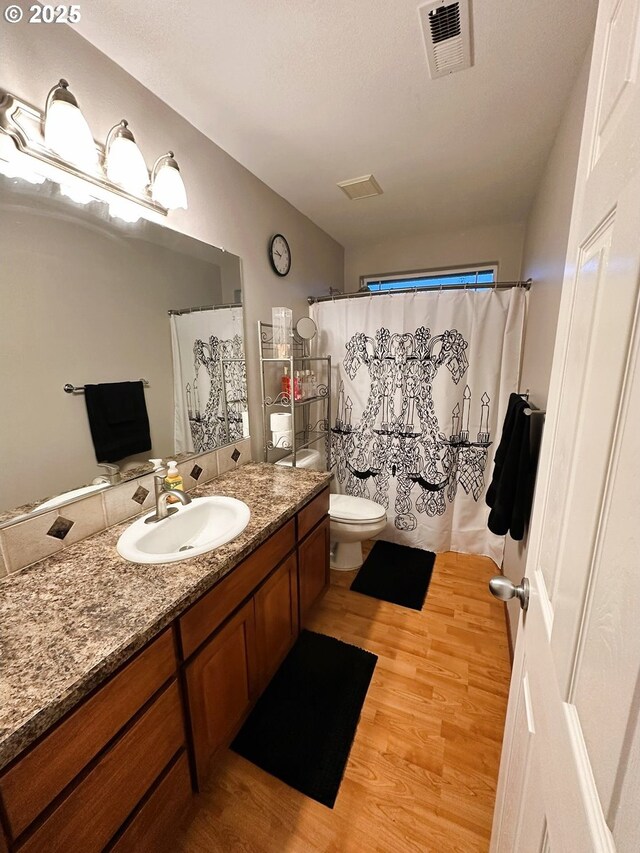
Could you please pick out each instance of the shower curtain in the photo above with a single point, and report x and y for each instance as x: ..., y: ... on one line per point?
x: 421, y: 383
x: 209, y: 378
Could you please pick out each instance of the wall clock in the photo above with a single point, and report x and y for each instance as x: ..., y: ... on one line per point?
x: 280, y: 255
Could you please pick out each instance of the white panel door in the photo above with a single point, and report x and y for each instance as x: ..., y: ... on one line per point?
x: 570, y: 770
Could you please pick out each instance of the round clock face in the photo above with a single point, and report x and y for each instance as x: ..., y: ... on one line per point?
x: 280, y: 255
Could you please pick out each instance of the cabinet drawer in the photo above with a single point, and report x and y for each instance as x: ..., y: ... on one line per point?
x: 214, y: 607
x: 312, y: 513
x: 90, y: 815
x: 38, y: 777
x: 153, y: 828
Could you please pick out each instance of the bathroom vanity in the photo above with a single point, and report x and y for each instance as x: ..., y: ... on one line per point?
x: 121, y: 682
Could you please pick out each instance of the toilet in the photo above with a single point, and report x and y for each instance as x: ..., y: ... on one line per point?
x: 352, y: 520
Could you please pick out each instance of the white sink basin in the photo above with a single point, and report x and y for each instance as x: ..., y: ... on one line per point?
x: 198, y: 527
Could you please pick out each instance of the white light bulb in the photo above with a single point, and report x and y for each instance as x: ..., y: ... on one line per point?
x: 126, y: 166
x: 76, y: 192
x: 21, y: 170
x: 67, y: 133
x: 168, y: 188
x: 125, y: 210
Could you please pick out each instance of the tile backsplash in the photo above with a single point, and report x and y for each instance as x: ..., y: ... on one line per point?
x: 32, y: 539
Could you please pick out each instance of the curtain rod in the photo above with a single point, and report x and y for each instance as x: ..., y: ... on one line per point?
x: 204, y: 308
x: 495, y: 285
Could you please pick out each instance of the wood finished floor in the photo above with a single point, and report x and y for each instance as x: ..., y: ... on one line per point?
x: 423, y: 768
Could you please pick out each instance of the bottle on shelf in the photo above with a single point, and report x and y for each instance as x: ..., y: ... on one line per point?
x: 313, y: 391
x: 297, y: 386
x: 286, y: 382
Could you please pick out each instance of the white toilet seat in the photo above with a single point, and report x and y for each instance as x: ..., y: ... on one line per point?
x: 351, y: 521
x: 349, y: 510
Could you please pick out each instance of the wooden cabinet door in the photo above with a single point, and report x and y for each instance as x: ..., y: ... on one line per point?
x: 313, y: 567
x: 221, y: 685
x: 276, y: 606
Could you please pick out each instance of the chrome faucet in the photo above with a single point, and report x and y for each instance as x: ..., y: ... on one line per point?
x: 162, y: 496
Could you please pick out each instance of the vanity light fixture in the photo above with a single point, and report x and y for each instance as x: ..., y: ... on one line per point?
x: 66, y: 130
x: 167, y: 186
x: 57, y: 145
x: 123, y: 160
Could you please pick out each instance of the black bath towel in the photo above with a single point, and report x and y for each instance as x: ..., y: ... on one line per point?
x: 509, y: 494
x: 118, y: 419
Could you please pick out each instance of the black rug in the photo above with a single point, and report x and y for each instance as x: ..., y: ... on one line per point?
x: 396, y: 573
x: 303, y: 725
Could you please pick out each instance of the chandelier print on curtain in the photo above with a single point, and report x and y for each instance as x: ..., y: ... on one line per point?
x: 399, y: 435
x: 217, y: 423
x: 418, y: 406
x: 210, y: 387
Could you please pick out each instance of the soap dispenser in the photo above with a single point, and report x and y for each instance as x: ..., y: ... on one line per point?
x: 173, y: 480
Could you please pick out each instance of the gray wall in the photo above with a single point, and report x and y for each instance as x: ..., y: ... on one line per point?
x: 228, y: 206
x: 544, y: 258
x: 499, y: 243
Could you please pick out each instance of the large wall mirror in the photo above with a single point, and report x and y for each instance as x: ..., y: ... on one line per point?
x: 87, y: 299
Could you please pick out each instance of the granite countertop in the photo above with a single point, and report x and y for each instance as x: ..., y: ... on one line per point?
x: 70, y: 620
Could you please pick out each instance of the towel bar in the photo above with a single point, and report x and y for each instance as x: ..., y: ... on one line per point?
x: 79, y: 389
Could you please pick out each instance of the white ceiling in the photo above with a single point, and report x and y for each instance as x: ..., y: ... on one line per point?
x: 306, y: 93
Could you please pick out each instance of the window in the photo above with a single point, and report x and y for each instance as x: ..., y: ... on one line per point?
x: 427, y: 279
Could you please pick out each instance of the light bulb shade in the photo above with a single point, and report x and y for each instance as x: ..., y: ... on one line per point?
x: 76, y: 191
x: 168, y: 187
x: 125, y: 165
x: 66, y: 130
x: 21, y: 169
x: 125, y: 210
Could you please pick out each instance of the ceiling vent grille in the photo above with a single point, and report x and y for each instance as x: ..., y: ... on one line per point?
x: 364, y: 187
x: 447, y: 36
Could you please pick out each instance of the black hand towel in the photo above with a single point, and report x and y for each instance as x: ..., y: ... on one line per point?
x: 509, y: 492
x: 118, y: 419
x: 515, y: 402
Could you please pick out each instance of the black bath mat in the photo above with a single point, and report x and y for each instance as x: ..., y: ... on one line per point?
x: 303, y: 725
x: 396, y: 573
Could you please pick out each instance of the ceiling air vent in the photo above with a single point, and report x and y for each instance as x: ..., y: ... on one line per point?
x: 363, y: 187
x: 447, y: 36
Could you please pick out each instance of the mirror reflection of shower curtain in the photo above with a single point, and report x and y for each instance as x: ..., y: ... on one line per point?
x: 421, y: 383
x: 209, y: 378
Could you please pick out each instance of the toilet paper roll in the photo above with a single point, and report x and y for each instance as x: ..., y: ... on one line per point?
x: 245, y: 424
x: 282, y: 438
x: 280, y: 421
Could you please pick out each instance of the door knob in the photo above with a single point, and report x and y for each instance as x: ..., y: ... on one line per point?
x: 504, y: 589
